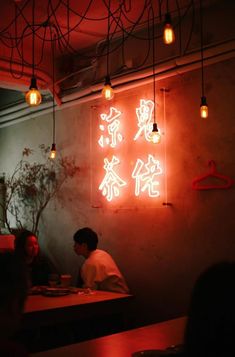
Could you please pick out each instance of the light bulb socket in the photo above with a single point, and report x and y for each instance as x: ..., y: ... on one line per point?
x: 168, y: 19
x: 155, y: 128
x: 203, y: 101
x: 33, y: 83
x: 107, y: 81
x: 53, y: 148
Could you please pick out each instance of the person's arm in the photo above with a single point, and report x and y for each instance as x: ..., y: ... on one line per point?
x: 89, y: 276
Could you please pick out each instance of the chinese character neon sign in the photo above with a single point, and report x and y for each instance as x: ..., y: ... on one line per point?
x: 110, y: 186
x: 113, y: 124
x: 144, y: 115
x: 145, y: 176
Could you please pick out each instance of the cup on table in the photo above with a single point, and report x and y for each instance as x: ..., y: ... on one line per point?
x: 53, y: 280
x: 65, y: 280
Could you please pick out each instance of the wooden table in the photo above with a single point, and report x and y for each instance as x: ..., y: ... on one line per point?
x: 43, y: 310
x: 157, y: 336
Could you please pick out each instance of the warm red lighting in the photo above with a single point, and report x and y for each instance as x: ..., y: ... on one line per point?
x: 145, y: 175
x: 144, y: 114
x: 112, y: 182
x: 111, y: 135
x: 142, y: 177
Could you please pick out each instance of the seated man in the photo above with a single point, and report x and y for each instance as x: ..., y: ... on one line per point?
x: 13, y: 292
x: 99, y: 270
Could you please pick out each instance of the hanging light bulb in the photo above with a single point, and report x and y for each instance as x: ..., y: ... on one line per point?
x: 168, y: 32
x: 155, y: 135
x: 33, y: 96
x: 107, y: 91
x: 204, y: 108
x: 53, y: 151
x: 53, y: 146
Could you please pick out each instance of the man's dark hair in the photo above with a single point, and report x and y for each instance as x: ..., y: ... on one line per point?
x: 88, y: 236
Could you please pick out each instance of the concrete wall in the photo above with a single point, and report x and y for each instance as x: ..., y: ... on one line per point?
x: 159, y: 250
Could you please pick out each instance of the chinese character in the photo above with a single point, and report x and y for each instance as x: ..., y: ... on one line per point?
x: 144, y: 115
x: 146, y: 176
x: 110, y: 186
x: 112, y: 135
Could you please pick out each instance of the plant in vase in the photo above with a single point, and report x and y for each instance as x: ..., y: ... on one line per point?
x: 31, y: 186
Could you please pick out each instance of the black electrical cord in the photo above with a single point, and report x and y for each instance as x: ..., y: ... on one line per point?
x: 202, y: 55
x: 119, y: 21
x: 53, y: 41
x: 153, y: 66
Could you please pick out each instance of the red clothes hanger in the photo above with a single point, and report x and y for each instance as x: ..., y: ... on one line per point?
x: 227, y: 181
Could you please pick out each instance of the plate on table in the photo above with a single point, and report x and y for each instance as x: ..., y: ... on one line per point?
x: 56, y: 292
x: 36, y: 290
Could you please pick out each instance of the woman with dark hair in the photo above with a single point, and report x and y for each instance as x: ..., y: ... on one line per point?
x: 27, y: 248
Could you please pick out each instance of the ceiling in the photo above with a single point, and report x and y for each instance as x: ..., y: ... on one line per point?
x: 78, y: 30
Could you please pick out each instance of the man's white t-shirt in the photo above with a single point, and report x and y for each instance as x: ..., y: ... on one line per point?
x: 100, y: 272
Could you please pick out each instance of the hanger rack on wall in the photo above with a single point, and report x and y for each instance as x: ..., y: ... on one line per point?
x: 227, y: 182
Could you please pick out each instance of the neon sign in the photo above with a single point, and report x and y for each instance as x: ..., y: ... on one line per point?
x: 110, y: 186
x: 145, y: 176
x: 144, y: 115
x: 113, y: 124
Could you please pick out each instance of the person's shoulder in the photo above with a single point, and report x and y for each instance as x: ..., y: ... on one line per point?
x: 97, y: 252
x: 97, y: 256
x: 102, y: 252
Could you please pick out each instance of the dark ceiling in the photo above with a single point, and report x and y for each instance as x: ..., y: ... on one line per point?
x: 76, y: 28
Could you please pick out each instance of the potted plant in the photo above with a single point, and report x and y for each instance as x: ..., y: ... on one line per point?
x: 31, y: 186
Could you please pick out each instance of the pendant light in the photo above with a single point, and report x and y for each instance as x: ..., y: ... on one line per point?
x: 107, y: 91
x: 33, y: 96
x: 203, y: 105
x: 155, y: 135
x: 168, y: 32
x: 53, y: 146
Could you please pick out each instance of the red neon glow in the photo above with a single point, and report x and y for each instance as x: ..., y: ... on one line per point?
x: 144, y: 114
x: 111, y: 135
x: 131, y: 175
x: 145, y: 175
x: 111, y: 184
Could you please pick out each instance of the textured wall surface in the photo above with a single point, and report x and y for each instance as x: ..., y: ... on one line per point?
x: 159, y: 250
